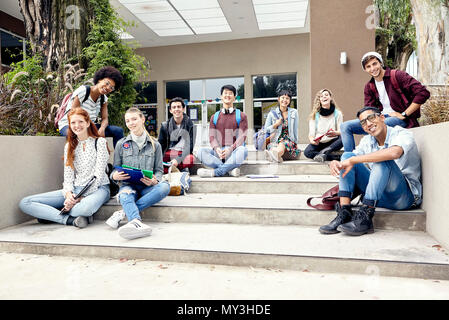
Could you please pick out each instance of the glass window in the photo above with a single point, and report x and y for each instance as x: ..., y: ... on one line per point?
x: 146, y: 92
x: 213, y: 87
x: 268, y: 86
x: 150, y: 113
x: 265, y: 91
x: 12, y: 48
x: 178, y: 89
x: 192, y: 93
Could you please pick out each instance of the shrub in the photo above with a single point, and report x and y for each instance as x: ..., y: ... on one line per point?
x: 30, y: 97
x: 436, y: 109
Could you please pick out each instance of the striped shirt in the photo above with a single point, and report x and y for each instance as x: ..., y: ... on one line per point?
x: 92, y: 107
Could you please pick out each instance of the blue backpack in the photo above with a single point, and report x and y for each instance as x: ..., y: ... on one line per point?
x: 238, y: 117
x: 261, y: 135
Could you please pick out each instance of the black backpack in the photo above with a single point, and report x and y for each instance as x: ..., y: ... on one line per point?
x: 113, y: 186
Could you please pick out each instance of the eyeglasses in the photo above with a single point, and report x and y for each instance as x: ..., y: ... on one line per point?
x: 371, y: 118
x: 109, y: 85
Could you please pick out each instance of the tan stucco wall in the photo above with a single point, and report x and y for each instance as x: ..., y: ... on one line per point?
x: 248, y: 57
x: 30, y: 165
x: 337, y: 26
x: 433, y: 145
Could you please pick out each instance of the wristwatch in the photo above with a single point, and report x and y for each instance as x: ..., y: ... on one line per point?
x: 404, y: 114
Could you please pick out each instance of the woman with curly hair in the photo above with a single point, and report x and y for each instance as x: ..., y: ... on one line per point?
x: 324, y: 128
x: 95, y: 101
x: 85, y: 156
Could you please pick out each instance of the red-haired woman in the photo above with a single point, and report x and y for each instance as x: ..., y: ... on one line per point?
x: 84, y: 158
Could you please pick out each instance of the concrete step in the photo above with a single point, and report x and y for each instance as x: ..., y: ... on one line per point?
x: 293, y: 167
x: 266, y: 209
x: 411, y: 254
x: 260, y: 155
x: 279, y: 184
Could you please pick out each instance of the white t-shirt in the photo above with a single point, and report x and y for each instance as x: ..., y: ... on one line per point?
x: 383, y: 97
x: 92, y: 107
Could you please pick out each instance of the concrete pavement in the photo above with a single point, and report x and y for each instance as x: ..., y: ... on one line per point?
x: 30, y: 276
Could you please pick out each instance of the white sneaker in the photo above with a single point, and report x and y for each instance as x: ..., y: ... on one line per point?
x: 115, y: 219
x: 205, y: 173
x: 134, y: 229
x: 272, y: 156
x: 235, y: 172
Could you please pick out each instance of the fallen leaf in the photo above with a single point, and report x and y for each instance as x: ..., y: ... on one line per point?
x: 162, y: 267
x: 123, y: 260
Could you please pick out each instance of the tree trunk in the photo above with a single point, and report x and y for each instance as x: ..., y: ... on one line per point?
x: 432, y: 26
x: 57, y: 29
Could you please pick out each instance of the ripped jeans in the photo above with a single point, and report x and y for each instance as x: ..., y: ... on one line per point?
x: 135, y: 198
x: 383, y: 186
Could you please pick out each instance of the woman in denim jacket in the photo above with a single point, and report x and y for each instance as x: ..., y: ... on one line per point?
x: 84, y: 158
x: 137, y: 150
x: 283, y: 128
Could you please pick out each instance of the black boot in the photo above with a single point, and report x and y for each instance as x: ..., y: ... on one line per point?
x: 361, y: 224
x: 344, y: 215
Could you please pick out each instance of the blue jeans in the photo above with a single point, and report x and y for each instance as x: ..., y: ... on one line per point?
x: 351, y: 127
x: 383, y: 186
x: 210, y: 158
x: 135, y: 198
x: 47, y: 205
x: 111, y: 131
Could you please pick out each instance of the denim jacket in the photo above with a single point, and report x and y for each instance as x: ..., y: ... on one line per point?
x: 292, y: 119
x: 127, y: 153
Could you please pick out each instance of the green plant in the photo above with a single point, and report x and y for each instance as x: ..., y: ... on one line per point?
x: 30, y: 97
x: 106, y: 48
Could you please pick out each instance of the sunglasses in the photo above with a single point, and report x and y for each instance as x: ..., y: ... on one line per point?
x: 371, y: 118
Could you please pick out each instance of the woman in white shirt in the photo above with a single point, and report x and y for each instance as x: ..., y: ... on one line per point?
x: 84, y: 158
x: 324, y: 128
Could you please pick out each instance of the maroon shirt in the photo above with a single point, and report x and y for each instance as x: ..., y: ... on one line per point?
x: 413, y: 90
x: 226, y: 131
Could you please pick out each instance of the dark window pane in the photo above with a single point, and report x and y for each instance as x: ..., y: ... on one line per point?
x: 146, y: 92
x: 270, y: 86
x: 12, y: 48
x: 178, y: 89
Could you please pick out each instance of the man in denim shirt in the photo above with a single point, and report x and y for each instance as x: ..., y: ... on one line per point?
x: 390, y: 178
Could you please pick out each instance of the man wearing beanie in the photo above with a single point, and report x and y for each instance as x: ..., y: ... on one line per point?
x: 396, y: 94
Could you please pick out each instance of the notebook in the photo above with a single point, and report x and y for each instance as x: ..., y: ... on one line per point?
x: 134, y: 174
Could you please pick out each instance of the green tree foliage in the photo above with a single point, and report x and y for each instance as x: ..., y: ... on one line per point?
x: 106, y: 48
x: 395, y: 34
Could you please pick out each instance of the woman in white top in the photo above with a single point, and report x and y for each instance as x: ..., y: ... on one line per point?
x: 324, y: 128
x: 84, y: 158
x: 95, y: 101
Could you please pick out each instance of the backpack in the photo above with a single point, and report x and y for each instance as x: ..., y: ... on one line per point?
x: 62, y: 109
x: 261, y: 136
x: 330, y: 198
x: 237, y: 117
x: 394, y: 82
x: 113, y: 186
x: 179, y: 181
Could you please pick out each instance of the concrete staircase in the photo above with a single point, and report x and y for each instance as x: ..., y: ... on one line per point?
x: 261, y: 222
